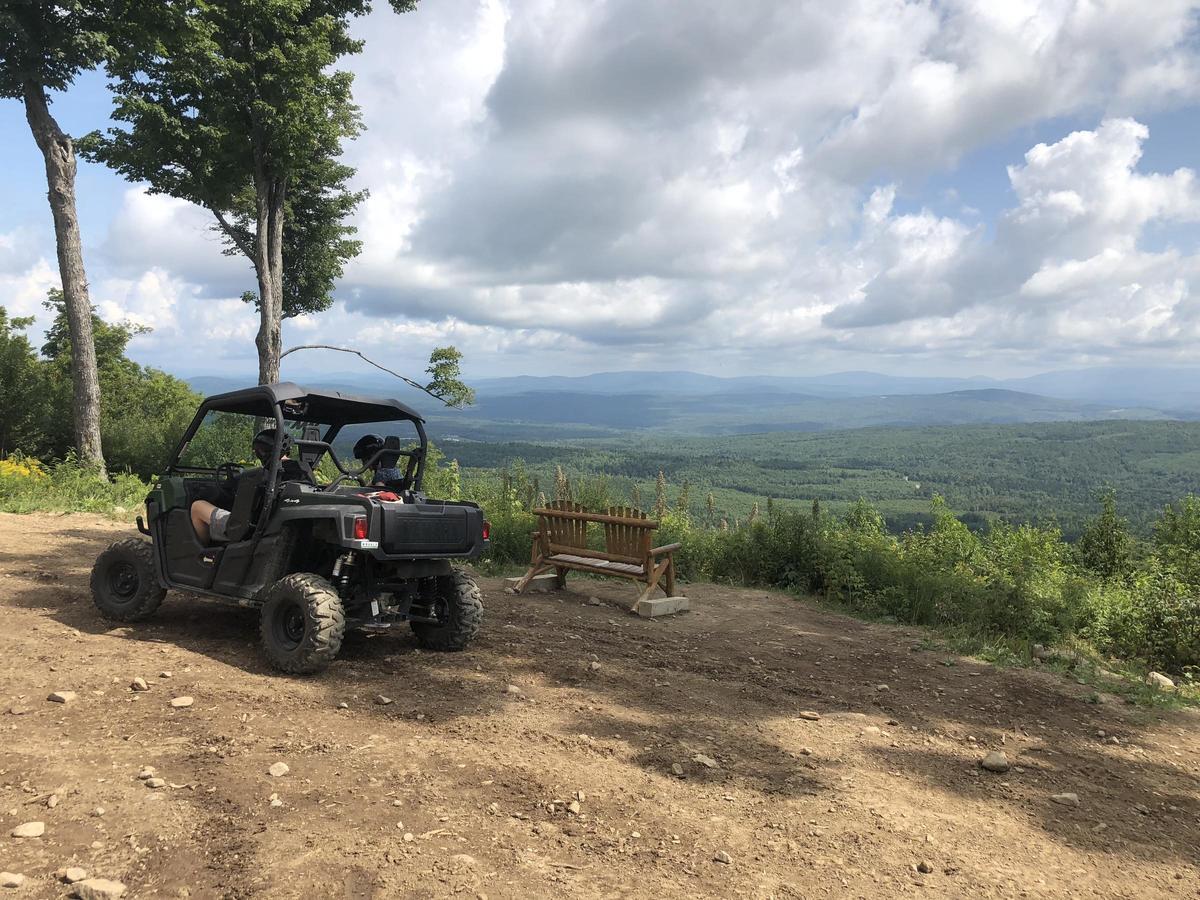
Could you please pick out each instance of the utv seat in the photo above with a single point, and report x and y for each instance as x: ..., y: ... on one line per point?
x: 246, y: 504
x: 391, y: 460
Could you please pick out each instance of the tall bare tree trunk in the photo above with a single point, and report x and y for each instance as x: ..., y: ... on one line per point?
x: 59, y: 153
x: 268, y: 265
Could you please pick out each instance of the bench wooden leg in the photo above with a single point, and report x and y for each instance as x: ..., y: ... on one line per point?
x: 560, y: 577
x: 535, y: 568
x: 670, y: 586
x: 656, y: 573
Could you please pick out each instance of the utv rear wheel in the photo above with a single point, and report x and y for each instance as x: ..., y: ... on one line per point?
x: 302, y: 624
x: 124, y: 581
x: 458, y: 606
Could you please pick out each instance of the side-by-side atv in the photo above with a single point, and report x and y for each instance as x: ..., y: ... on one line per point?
x: 315, y: 559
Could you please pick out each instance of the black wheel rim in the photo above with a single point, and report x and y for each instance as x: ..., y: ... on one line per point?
x: 441, y: 609
x: 122, y: 581
x: 287, y: 626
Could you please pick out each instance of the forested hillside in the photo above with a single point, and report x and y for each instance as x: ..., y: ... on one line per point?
x: 1016, y: 473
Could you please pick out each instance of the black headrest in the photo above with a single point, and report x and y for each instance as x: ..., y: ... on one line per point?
x: 389, y: 460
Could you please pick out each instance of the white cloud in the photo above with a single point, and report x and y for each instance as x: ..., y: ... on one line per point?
x: 699, y: 184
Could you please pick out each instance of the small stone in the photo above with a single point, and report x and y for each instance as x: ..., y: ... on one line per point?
x: 706, y: 761
x: 29, y: 830
x: 19, y: 710
x: 11, y: 879
x: 383, y: 701
x: 809, y: 715
x: 1040, y: 652
x: 52, y: 801
x: 72, y: 874
x: 408, y: 837
x: 179, y: 703
x: 574, y: 808
x: 871, y: 730
x: 147, y: 772
x: 62, y: 697
x: 595, y: 601
x: 882, y: 687
x: 164, y: 675
x: 463, y: 859
x: 995, y: 761
x: 99, y: 811
x: 278, y: 770
x: 155, y: 783
x: 513, y: 690
x: 924, y: 868
x: 99, y: 889
x: 139, y: 684
x: 594, y: 666
x: 723, y: 858
x: 1160, y: 681
x: 1066, y: 799
x: 343, y: 705
x: 276, y: 803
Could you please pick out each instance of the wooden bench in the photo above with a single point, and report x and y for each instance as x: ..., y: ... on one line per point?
x: 561, y: 543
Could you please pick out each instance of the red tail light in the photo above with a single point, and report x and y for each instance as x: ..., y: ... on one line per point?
x: 487, y: 529
x: 360, y: 528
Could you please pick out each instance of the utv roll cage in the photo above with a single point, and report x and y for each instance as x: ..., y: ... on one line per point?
x: 286, y: 401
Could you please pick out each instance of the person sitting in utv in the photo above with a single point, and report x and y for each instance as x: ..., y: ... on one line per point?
x: 210, y: 518
x: 365, y: 450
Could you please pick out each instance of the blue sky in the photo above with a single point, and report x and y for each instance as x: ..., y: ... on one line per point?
x: 954, y: 187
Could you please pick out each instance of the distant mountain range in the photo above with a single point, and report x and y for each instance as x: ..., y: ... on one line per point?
x: 1157, y: 388
x: 566, y: 407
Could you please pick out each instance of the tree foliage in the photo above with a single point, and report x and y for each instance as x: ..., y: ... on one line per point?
x: 22, y: 419
x: 445, y: 378
x: 236, y: 106
x: 143, y: 412
x: 48, y: 44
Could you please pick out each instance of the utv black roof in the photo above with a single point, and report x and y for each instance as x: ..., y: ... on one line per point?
x: 301, y: 403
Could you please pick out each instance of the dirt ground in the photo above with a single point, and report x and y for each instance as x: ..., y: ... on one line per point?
x: 574, y: 750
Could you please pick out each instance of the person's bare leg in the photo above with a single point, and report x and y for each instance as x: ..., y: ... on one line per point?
x: 201, y: 512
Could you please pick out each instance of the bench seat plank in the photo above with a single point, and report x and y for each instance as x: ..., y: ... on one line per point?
x: 593, y: 563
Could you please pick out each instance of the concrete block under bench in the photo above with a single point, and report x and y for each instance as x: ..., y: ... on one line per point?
x: 661, y: 606
x: 541, y: 583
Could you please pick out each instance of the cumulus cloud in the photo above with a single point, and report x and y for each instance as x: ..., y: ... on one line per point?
x: 1066, y: 264
x: 715, y: 186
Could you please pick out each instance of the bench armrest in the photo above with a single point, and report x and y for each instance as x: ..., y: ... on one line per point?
x: 669, y: 548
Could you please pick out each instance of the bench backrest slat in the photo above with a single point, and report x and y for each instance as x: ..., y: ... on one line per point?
x: 625, y: 539
x: 563, y: 530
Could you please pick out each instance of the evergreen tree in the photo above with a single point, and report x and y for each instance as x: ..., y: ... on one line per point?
x: 1105, y: 546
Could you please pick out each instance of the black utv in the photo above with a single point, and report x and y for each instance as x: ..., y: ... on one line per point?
x: 316, y: 540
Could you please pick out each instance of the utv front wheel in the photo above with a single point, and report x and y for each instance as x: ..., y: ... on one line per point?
x: 302, y: 624
x: 124, y: 581
x: 458, y: 606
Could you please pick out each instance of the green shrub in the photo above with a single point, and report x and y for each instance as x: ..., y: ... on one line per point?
x: 67, y: 486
